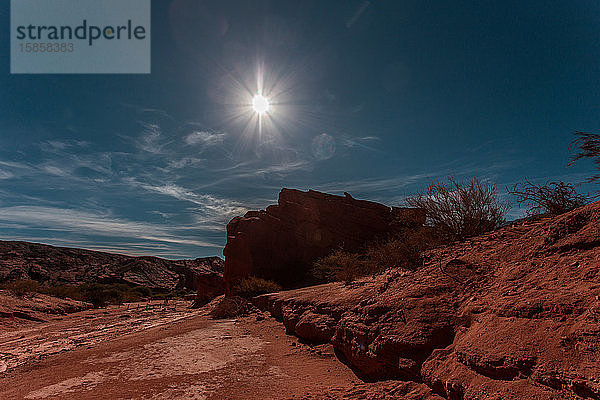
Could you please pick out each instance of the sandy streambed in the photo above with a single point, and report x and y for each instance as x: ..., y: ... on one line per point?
x: 165, y: 353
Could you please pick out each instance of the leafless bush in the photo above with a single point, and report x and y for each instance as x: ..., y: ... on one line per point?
x: 588, y: 146
x: 230, y: 307
x: 553, y: 198
x: 404, y: 250
x: 252, y: 286
x: 340, y: 265
x: 458, y: 211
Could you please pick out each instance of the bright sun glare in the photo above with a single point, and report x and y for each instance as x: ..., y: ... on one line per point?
x: 260, y: 104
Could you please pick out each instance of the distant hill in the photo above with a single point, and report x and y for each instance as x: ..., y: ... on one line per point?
x: 64, y: 265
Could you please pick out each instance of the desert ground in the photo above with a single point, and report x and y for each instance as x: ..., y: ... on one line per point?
x: 141, y: 351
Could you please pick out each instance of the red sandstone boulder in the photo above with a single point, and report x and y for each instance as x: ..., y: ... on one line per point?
x: 281, y: 242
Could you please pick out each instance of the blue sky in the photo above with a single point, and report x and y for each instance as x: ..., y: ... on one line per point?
x: 373, y: 98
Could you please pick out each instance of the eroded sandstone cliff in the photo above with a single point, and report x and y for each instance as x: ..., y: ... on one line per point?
x: 282, y: 242
x: 514, y: 314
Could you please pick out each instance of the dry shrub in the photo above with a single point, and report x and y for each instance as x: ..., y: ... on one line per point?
x: 588, y: 146
x: 96, y: 293
x: 22, y: 287
x: 230, y: 307
x: 253, y: 286
x: 553, y: 198
x: 404, y: 250
x: 401, y: 251
x: 63, y: 291
x: 340, y: 265
x: 458, y: 211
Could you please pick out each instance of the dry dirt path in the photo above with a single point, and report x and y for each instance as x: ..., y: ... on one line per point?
x: 173, y: 353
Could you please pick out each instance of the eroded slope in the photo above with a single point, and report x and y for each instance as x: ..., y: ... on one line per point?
x: 514, y: 314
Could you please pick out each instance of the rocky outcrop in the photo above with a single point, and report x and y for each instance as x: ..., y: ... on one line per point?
x: 281, y: 242
x: 514, y: 314
x: 34, y: 307
x: 62, y: 265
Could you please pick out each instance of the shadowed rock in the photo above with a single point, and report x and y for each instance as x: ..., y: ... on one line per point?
x: 282, y: 242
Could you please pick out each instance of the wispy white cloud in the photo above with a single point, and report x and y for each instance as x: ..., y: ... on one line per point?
x: 183, y: 162
x: 213, y: 209
x: 372, y: 184
x: 130, y: 248
x: 205, y: 138
x: 10, y: 169
x: 53, y: 146
x: 150, y: 138
x: 56, y: 170
x: 88, y: 223
x: 361, y: 9
x: 6, y: 174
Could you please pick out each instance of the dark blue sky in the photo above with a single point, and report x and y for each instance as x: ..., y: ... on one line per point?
x: 404, y: 92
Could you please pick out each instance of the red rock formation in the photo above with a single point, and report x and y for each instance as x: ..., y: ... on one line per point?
x: 281, y: 242
x: 514, y: 314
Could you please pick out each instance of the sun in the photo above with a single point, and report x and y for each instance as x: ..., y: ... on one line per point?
x: 260, y: 104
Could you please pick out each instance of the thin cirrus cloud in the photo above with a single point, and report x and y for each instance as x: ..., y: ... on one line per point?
x: 205, y: 138
x: 213, y: 208
x: 88, y: 223
x: 131, y: 248
x: 150, y: 139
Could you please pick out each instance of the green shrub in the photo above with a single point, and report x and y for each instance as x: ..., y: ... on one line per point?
x: 101, y: 295
x: 252, y: 286
x: 404, y: 250
x: 98, y: 294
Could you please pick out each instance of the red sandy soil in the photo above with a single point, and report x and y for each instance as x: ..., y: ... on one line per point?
x: 173, y: 352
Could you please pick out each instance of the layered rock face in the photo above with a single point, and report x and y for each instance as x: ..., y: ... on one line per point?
x: 282, y: 242
x: 62, y: 265
x: 514, y: 314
